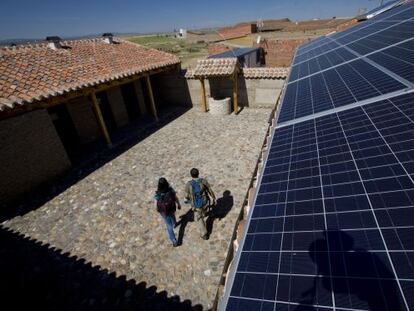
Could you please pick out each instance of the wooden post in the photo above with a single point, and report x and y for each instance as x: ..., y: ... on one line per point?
x: 151, y: 96
x: 235, y: 87
x: 100, y: 119
x: 203, y: 94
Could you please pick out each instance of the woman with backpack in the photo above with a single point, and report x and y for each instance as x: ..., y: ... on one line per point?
x: 166, y: 201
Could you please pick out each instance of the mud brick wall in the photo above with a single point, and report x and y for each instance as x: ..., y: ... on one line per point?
x: 217, y: 48
x: 236, y: 31
x: 31, y: 153
x: 279, y: 53
x: 80, y: 110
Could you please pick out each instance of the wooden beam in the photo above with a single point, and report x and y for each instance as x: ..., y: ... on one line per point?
x: 203, y: 94
x: 235, y: 91
x: 151, y: 97
x: 100, y: 119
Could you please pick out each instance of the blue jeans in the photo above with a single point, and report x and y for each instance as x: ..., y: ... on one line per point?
x: 170, y: 223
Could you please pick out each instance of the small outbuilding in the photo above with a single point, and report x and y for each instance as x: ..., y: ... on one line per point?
x: 247, y: 57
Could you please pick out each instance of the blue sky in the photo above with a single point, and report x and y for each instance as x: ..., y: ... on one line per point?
x: 39, y: 18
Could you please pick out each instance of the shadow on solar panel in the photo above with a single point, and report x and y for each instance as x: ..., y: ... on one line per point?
x: 360, y: 279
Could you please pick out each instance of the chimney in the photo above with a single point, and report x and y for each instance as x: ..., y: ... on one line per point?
x: 108, y: 37
x: 54, y: 42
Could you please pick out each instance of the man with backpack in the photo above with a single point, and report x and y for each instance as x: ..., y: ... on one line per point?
x: 198, y: 192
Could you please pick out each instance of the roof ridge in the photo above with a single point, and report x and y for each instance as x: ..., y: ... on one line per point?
x: 44, y: 43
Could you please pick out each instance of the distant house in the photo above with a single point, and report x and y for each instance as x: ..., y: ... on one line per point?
x: 56, y: 97
x: 247, y: 57
x: 237, y: 31
x: 274, y: 24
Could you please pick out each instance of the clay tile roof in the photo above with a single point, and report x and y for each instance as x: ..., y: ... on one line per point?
x: 265, y: 73
x: 36, y: 72
x: 215, y: 67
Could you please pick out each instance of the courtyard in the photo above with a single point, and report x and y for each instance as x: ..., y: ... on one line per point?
x: 109, y: 219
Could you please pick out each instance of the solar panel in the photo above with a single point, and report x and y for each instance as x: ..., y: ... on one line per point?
x: 332, y: 212
x: 339, y: 86
x: 332, y: 223
x: 398, y: 59
x: 380, y: 23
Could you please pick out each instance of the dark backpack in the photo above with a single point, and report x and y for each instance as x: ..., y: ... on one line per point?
x: 197, y: 192
x: 166, y: 203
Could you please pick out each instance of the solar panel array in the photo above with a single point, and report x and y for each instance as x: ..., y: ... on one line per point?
x: 332, y: 224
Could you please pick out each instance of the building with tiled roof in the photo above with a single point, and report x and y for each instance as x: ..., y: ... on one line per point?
x: 31, y: 73
x: 58, y: 99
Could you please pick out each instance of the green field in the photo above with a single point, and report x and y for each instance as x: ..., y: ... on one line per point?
x: 187, y: 51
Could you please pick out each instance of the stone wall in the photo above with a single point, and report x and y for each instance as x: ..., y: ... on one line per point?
x: 31, y: 153
x: 253, y: 93
x: 84, y: 119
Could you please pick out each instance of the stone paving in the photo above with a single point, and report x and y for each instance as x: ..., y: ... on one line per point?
x: 109, y: 217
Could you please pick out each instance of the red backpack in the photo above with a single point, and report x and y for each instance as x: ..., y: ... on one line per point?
x: 166, y: 203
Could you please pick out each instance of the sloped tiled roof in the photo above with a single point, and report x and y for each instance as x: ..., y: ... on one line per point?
x: 215, y: 67
x: 266, y: 73
x: 36, y: 72
x: 252, y: 73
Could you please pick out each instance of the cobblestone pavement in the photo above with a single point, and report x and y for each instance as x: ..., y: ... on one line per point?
x: 109, y: 218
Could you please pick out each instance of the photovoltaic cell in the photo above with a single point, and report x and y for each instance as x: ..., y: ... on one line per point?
x: 334, y: 214
x: 398, y: 59
x: 385, y: 38
x: 332, y: 223
x: 342, y: 85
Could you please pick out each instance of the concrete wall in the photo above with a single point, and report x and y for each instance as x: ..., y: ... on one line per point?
x: 84, y: 119
x: 116, y: 101
x: 31, y: 153
x: 254, y: 93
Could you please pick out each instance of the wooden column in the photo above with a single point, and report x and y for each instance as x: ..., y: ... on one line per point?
x: 235, y: 91
x: 151, y: 96
x: 203, y: 94
x: 100, y: 119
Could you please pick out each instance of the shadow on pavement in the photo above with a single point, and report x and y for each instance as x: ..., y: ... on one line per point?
x: 184, y: 220
x: 220, y: 210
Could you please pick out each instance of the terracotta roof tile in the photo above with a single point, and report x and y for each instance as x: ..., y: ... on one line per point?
x: 35, y: 72
x: 214, y: 67
x: 266, y: 73
x: 249, y: 73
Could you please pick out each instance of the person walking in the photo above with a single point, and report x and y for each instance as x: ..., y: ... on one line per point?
x: 166, y: 201
x: 198, y: 192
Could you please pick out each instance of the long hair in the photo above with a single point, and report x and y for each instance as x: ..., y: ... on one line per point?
x: 163, y: 185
